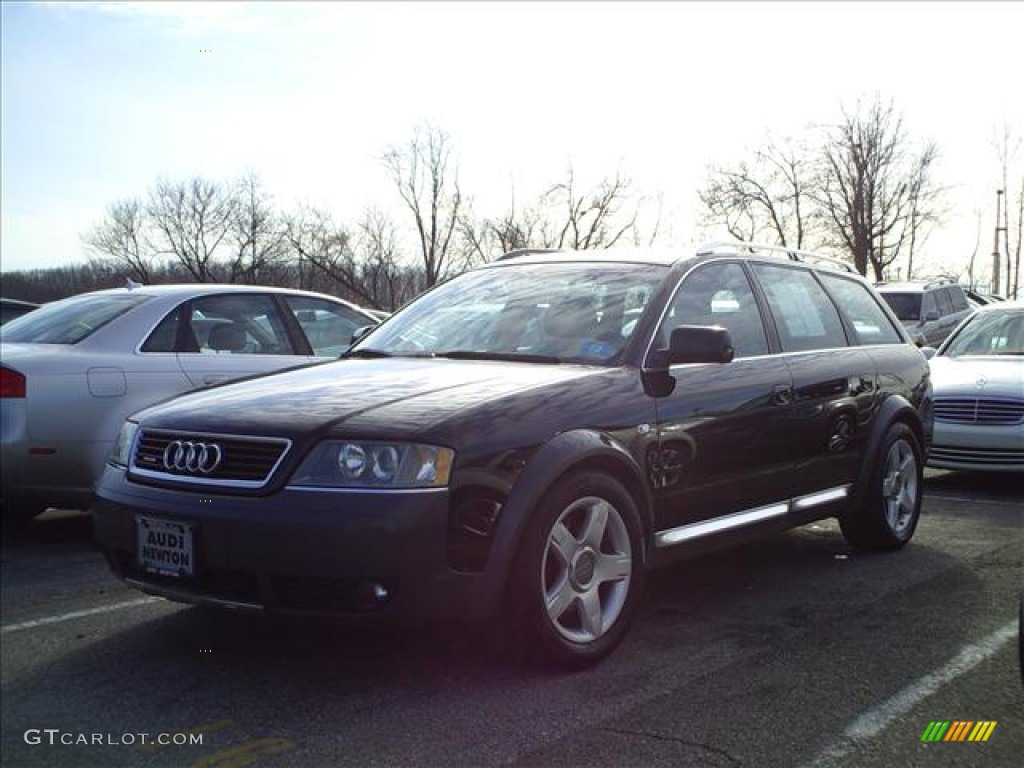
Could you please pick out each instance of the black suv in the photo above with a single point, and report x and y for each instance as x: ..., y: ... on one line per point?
x: 528, y: 439
x: 928, y: 310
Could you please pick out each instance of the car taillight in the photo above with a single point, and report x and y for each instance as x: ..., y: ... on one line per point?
x: 12, y: 383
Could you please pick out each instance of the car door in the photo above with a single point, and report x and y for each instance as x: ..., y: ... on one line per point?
x: 834, y: 384
x: 227, y: 336
x: 724, y: 445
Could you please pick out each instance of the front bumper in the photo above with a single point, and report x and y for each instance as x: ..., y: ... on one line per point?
x: 974, y: 447
x: 340, y: 554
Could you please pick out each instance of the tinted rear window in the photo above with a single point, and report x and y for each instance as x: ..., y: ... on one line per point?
x: 70, y: 320
x: 907, y: 306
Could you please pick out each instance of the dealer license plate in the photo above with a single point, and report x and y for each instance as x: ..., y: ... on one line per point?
x: 165, y: 547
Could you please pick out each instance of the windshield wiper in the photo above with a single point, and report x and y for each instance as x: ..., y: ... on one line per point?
x: 512, y: 357
x: 366, y: 353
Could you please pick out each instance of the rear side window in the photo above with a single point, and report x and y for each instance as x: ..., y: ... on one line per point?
x: 71, y: 320
x: 960, y: 304
x: 869, y: 320
x: 945, y: 302
x: 238, y: 324
x: 804, y: 314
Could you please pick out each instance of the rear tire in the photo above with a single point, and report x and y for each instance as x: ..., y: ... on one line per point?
x: 892, y: 506
x: 578, y: 575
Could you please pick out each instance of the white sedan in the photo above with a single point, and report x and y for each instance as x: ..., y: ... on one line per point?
x: 73, y: 370
x: 978, y: 381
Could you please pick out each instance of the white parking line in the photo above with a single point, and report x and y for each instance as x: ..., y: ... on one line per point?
x: 872, y: 722
x: 78, y: 614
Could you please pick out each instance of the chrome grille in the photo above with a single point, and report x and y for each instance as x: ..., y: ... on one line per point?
x: 246, y: 462
x: 941, y: 455
x: 978, y: 410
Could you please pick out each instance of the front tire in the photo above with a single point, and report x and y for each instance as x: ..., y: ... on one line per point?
x: 892, y: 507
x: 577, y: 577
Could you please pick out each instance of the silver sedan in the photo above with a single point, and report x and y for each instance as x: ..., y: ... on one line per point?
x: 73, y: 370
x: 978, y: 380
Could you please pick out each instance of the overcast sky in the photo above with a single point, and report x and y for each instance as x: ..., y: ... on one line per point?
x: 101, y: 99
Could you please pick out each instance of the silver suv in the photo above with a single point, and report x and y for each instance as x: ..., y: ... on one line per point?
x: 928, y: 310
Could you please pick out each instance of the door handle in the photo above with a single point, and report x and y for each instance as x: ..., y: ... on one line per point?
x: 209, y: 381
x: 782, y: 394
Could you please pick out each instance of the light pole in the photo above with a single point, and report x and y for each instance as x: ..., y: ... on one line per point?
x: 995, y: 246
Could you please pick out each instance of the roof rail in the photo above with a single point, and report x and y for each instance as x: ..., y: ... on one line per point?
x: 527, y: 252
x: 939, y: 281
x: 793, y: 254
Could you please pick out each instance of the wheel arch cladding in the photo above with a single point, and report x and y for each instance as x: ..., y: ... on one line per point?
x: 566, y: 452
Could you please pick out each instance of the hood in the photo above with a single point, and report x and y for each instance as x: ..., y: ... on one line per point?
x: 380, y: 397
x: 978, y: 376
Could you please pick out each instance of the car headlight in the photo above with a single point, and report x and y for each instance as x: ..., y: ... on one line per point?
x: 121, y: 454
x: 364, y: 464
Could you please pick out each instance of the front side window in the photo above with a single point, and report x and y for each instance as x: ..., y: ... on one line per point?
x: 869, y: 320
x: 719, y: 294
x: 804, y: 315
x: 328, y: 326
x: 565, y: 312
x: 69, y: 321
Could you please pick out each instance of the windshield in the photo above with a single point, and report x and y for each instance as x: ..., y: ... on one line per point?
x: 543, y: 312
x: 907, y: 306
x: 70, y: 320
x: 989, y: 333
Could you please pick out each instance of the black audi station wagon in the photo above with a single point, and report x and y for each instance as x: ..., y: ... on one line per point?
x: 526, y: 440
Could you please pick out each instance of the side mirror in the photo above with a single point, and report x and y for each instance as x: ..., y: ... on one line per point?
x: 358, y: 333
x: 931, y: 316
x: 698, y: 344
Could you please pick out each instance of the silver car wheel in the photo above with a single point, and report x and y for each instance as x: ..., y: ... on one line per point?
x: 586, y: 569
x: 899, y: 486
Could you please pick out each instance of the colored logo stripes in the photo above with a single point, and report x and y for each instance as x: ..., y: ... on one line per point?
x: 958, y: 730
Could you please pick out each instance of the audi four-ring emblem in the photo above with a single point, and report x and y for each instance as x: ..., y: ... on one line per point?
x: 187, y: 456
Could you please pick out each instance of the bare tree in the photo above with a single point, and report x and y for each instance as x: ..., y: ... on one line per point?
x: 119, y: 240
x: 190, y: 221
x: 325, y: 248
x: 877, y: 195
x: 487, y: 238
x: 383, y: 276
x: 589, y: 219
x: 429, y: 188
x: 767, y: 198
x: 257, y: 233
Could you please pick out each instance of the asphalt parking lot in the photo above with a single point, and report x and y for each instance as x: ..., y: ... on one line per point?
x: 793, y: 651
